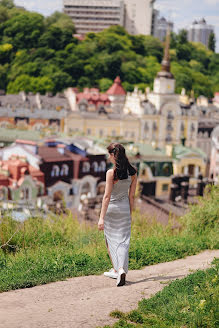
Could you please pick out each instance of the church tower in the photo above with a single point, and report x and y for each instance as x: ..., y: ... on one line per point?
x: 164, y: 82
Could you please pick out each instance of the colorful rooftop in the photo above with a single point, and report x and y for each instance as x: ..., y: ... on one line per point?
x: 116, y: 89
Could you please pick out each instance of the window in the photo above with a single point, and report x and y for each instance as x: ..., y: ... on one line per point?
x: 88, y: 131
x: 2, y: 194
x: 154, y: 126
x: 113, y: 133
x: 25, y: 193
x: 169, y: 126
x: 102, y: 166
x: 165, y: 187
x: 168, y: 138
x: 64, y: 170
x: 55, y: 171
x: 95, y: 167
x: 86, y: 167
x: 170, y: 115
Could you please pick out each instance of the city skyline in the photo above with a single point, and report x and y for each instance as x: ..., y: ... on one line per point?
x: 173, y: 10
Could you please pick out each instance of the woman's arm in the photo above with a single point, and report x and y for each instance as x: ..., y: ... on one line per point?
x: 106, y: 197
x: 132, y: 189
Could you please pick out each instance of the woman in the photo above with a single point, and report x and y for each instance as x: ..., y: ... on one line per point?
x: 117, y: 206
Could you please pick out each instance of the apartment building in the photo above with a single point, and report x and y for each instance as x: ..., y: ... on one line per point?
x: 94, y: 15
x: 138, y: 16
x: 200, y: 31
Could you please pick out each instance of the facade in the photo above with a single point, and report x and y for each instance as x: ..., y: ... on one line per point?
x: 214, y: 164
x: 138, y: 16
x: 62, y: 175
x: 94, y: 15
x: 199, y: 31
x: 163, y: 118
x: 97, y: 15
x: 19, y: 181
x: 33, y: 112
x: 216, y: 99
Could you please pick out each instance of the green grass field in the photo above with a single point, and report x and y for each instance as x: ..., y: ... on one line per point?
x: 192, y: 302
x: 39, y: 251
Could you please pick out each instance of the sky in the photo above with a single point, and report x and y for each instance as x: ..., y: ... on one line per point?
x: 181, y: 12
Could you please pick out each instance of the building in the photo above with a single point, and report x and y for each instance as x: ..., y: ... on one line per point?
x: 216, y: 99
x: 138, y: 16
x: 214, y: 164
x: 208, y: 119
x: 199, y: 31
x: 97, y: 15
x: 20, y: 181
x: 91, y: 117
x: 163, y: 118
x: 94, y: 15
x: 160, y: 27
x: 33, y: 112
x: 63, y: 169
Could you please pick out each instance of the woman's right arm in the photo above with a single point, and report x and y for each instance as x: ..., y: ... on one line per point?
x: 132, y: 189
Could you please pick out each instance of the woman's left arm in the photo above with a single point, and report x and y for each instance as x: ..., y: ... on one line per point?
x: 106, y: 198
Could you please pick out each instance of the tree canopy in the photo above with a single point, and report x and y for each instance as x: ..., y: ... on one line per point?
x: 41, y: 54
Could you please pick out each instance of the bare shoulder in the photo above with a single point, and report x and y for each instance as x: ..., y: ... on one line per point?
x: 109, y: 173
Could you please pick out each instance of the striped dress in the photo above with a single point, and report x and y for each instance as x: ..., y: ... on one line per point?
x: 117, y: 224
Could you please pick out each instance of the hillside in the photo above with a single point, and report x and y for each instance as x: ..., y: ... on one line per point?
x: 39, y: 54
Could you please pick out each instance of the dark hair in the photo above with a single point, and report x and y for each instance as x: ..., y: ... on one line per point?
x: 123, y: 167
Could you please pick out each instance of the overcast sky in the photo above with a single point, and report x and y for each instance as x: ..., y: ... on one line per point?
x: 181, y: 12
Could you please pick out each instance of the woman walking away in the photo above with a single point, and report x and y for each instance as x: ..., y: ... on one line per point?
x: 115, y: 216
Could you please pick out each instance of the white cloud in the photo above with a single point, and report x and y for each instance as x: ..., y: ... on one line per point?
x: 212, y: 2
x: 46, y: 7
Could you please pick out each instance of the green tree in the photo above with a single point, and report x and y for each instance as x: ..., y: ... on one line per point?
x: 23, y: 30
x: 60, y: 20
x: 7, y: 3
x: 183, y: 36
x: 55, y: 38
x: 211, y: 42
x: 61, y: 81
x: 105, y: 84
x: 3, y: 75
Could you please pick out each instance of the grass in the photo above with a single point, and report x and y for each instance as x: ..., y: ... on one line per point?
x: 39, y: 251
x: 192, y: 302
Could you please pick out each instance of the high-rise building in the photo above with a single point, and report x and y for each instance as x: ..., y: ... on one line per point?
x: 199, y: 31
x: 138, y: 16
x: 160, y: 26
x: 94, y: 15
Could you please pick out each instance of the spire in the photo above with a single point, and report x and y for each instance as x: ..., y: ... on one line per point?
x: 165, y: 72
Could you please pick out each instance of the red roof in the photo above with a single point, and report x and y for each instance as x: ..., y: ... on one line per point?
x: 93, y: 97
x: 116, y: 89
x: 27, y: 142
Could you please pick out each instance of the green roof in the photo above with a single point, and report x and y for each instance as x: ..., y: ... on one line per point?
x: 180, y: 151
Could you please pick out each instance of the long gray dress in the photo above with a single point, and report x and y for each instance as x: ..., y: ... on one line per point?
x: 117, y: 224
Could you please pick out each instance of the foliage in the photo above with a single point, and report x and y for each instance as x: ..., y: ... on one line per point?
x: 211, y: 42
x: 43, y: 49
x: 43, y: 250
x: 190, y: 302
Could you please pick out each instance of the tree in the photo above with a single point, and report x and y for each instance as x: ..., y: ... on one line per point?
x: 7, y: 3
x: 105, y: 84
x: 55, y: 38
x: 61, y: 20
x: 211, y: 42
x: 23, y: 30
x: 182, y: 36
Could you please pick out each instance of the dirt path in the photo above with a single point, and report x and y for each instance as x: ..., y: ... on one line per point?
x: 86, y: 302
